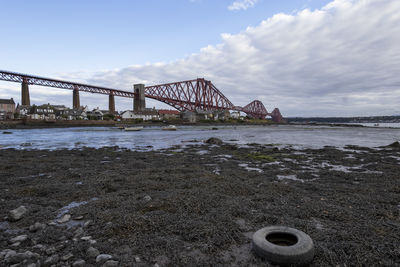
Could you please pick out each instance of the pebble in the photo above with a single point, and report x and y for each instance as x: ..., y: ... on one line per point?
x: 78, y: 232
x: 17, y: 213
x: 20, y: 238
x: 36, y: 227
x: 67, y: 257
x: 12, y: 257
x: 103, y: 257
x: 137, y: 259
x: 86, y: 224
x: 79, y: 263
x: 51, y: 260
x: 110, y: 263
x: 65, y: 218
x: 16, y: 244
x: 147, y: 198
x: 78, y: 218
x: 92, y: 252
x: 50, y: 250
x: 86, y: 238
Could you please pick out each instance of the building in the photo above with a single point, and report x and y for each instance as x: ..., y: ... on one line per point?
x: 222, y: 115
x: 7, y: 109
x: 146, y: 115
x: 167, y: 114
x: 22, y: 110
x: 235, y: 114
x: 189, y: 116
x: 95, y: 114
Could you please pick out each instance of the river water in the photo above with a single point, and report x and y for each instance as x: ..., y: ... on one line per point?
x: 155, y: 138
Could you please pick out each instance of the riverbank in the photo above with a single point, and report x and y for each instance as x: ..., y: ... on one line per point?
x: 198, y: 206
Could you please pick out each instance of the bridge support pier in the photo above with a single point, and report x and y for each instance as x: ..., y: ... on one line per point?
x: 25, y: 100
x: 111, y: 104
x: 75, y: 99
x: 139, y: 102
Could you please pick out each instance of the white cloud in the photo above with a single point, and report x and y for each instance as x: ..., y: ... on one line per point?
x: 341, y: 60
x: 242, y: 4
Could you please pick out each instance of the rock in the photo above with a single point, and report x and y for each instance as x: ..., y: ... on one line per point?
x: 36, y: 227
x: 86, y: 238
x: 86, y: 224
x: 20, y: 238
x: 214, y: 141
x: 137, y: 259
x: 78, y: 218
x: 16, y: 244
x: 13, y: 257
x: 395, y: 144
x: 79, y: 263
x: 103, y: 257
x: 17, y: 213
x: 65, y: 218
x: 147, y: 198
x: 67, y: 257
x: 51, y: 260
x: 92, y: 252
x: 110, y: 263
x: 50, y: 250
x: 78, y: 232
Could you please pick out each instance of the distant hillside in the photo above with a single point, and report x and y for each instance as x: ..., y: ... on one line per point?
x: 373, y: 119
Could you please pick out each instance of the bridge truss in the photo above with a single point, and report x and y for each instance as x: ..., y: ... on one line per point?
x: 191, y: 95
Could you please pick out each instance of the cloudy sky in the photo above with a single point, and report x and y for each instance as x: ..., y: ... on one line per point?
x: 307, y: 57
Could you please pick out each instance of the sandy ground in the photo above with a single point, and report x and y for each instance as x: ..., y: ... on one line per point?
x: 197, y: 206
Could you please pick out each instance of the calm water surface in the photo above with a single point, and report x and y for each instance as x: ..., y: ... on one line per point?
x: 301, y: 136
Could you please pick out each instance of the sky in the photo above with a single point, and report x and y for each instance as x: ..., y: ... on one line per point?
x: 306, y: 57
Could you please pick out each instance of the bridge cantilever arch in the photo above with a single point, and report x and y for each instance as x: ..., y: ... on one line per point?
x: 191, y: 95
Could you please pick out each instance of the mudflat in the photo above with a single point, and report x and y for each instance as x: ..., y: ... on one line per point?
x: 198, y: 205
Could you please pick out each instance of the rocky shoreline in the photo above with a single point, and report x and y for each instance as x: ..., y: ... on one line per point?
x: 196, y: 206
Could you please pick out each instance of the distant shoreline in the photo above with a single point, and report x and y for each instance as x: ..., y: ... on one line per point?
x: 34, y: 124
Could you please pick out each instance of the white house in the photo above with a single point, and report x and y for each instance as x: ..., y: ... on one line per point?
x: 146, y: 115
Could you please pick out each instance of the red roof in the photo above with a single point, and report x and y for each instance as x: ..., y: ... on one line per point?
x: 168, y: 111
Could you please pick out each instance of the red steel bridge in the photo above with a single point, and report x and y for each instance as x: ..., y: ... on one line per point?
x: 191, y: 95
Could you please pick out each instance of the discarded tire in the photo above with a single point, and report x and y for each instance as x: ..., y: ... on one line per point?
x: 283, y: 245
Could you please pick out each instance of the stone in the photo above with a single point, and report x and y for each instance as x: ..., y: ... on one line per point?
x: 214, y: 141
x: 50, y: 250
x: 36, y: 227
x: 17, y: 213
x: 79, y: 263
x: 103, y: 257
x: 67, y: 257
x: 78, y: 232
x: 92, y: 252
x: 51, y: 260
x: 16, y: 244
x: 13, y: 257
x: 137, y: 259
x: 86, y: 224
x: 65, y: 218
x: 20, y: 238
x: 147, y: 198
x: 110, y: 263
x: 86, y: 238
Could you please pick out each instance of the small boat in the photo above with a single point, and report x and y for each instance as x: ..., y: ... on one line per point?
x: 139, y: 128
x: 169, y: 128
